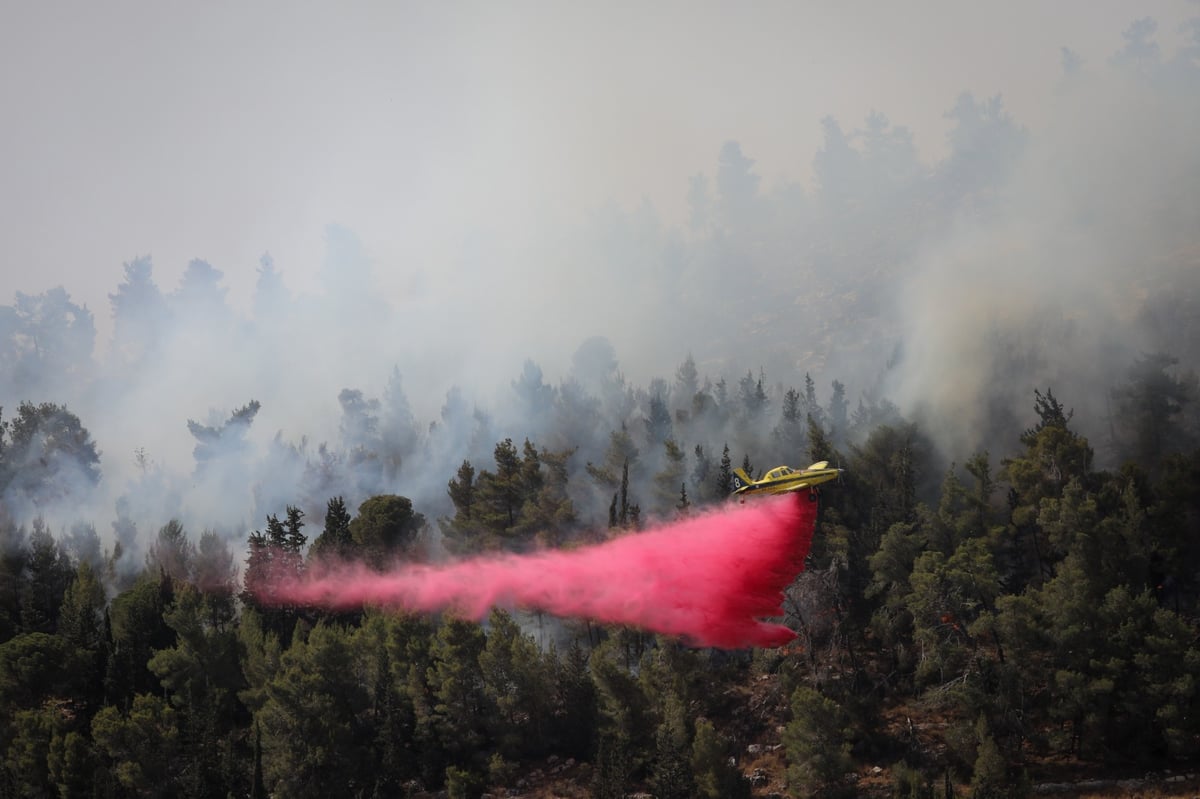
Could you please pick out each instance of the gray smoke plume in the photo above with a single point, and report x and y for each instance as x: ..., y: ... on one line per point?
x: 1049, y: 252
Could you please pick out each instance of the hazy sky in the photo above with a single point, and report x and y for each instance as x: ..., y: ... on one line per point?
x: 223, y: 130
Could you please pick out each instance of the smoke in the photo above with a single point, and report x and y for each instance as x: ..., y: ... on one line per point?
x: 710, y: 579
x: 1032, y: 250
x: 1079, y: 253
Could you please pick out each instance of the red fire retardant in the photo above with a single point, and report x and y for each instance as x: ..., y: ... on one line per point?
x: 709, y: 579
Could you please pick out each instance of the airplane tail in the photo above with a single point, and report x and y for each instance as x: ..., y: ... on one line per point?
x: 740, y: 479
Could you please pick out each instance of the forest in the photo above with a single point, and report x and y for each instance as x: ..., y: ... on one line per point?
x: 999, y: 348
x: 1038, y: 608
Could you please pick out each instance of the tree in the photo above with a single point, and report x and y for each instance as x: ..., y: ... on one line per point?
x: 725, y: 474
x: 214, y: 574
x: 171, y: 553
x: 535, y: 397
x: 658, y: 422
x: 714, y: 776
x: 138, y: 630
x: 81, y: 622
x: 49, y: 456
x: 1147, y: 424
x: 397, y: 427
x: 456, y: 681
x: 312, y: 722
x: 702, y: 475
x: 335, y: 539
x: 386, y: 527
x: 47, y: 342
x: 462, y: 533
x: 737, y: 187
x: 273, y: 556
x: 991, y: 777
x: 790, y: 432
x: 837, y: 168
x: 223, y: 440
x: 47, y: 575
x: 201, y: 677
x: 515, y: 676
x: 687, y: 384
x: 139, y: 313
x: 985, y: 144
x: 817, y: 742
x: 27, y: 754
x: 360, y: 420
x: 669, y: 478
x: 839, y: 417
x: 548, y: 510
x: 271, y: 298
x: 36, y: 667
x: 1054, y: 457
x: 199, y: 299
x: 671, y: 775
x: 752, y: 395
x: 500, y: 492
x: 626, y: 729
x: 141, y: 747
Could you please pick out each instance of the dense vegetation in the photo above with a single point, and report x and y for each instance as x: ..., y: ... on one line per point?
x: 1035, y: 606
x: 999, y: 584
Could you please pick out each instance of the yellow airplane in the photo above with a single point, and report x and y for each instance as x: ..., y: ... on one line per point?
x: 784, y: 479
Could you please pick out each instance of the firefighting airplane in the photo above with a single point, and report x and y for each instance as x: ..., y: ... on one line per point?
x: 784, y: 479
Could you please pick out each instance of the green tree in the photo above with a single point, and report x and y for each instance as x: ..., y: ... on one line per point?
x: 573, y: 702
x: 789, y: 434
x: 548, y: 511
x: 715, y: 777
x: 500, y: 492
x: 314, y: 736
x: 201, y: 677
x: 817, y: 743
x: 625, y: 734
x: 139, y: 630
x: 27, y: 752
x: 385, y: 528
x: 1054, y: 456
x: 141, y: 748
x: 37, y: 667
x: 335, y: 539
x: 456, y: 682
x: 171, y: 553
x: 725, y: 474
x: 81, y: 622
x: 48, y: 573
x: 515, y: 677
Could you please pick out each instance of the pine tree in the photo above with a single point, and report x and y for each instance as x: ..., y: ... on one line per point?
x: 335, y: 538
x: 725, y: 474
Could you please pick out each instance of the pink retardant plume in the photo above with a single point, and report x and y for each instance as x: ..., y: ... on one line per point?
x: 709, y: 578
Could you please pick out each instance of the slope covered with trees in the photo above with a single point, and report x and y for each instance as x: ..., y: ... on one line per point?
x: 1034, y: 608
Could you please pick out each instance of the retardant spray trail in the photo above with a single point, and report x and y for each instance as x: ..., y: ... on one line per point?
x: 708, y: 579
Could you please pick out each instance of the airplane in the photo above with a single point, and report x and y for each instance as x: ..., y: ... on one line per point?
x: 784, y: 479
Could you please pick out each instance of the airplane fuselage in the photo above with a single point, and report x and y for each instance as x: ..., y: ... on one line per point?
x: 784, y: 479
